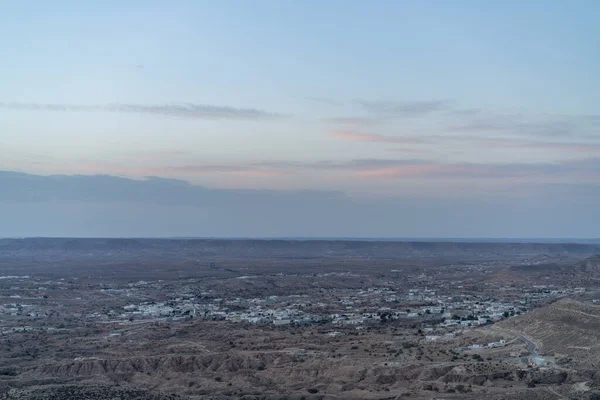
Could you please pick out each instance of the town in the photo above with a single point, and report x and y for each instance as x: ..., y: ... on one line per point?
x: 417, y: 321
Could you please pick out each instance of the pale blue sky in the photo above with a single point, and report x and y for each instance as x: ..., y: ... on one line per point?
x: 371, y: 98
x: 508, y: 54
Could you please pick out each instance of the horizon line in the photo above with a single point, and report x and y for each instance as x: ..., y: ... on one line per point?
x: 575, y: 240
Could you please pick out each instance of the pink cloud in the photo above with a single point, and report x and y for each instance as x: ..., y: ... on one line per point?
x: 267, y: 172
x: 566, y: 171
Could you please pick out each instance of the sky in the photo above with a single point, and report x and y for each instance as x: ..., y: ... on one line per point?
x: 304, y: 118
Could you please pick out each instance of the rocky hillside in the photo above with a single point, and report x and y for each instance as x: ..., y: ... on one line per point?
x: 567, y: 328
x: 84, y: 392
x: 584, y: 272
x: 272, y: 374
x: 589, y: 267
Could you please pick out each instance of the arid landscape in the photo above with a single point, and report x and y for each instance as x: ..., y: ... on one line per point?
x: 299, y: 200
x: 288, y: 319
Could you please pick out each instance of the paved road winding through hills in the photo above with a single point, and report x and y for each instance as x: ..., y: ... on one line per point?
x: 531, y: 345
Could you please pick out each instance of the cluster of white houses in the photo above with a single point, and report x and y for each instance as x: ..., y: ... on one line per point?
x: 371, y: 305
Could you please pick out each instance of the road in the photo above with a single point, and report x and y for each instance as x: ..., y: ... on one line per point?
x: 530, y: 344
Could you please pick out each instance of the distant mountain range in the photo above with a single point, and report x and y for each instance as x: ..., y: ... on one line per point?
x: 278, y: 248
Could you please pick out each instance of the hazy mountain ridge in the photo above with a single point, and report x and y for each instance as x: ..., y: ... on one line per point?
x: 279, y: 248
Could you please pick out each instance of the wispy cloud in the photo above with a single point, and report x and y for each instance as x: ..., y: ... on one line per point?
x: 354, y: 121
x: 253, y: 169
x: 470, y: 141
x: 407, y: 150
x: 588, y: 148
x: 575, y: 170
x: 565, y: 171
x: 405, y: 108
x: 447, y: 116
x: 186, y: 110
x: 373, y: 137
x: 585, y: 169
x: 521, y: 125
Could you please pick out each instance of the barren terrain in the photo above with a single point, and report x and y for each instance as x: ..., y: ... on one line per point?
x: 210, y: 319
